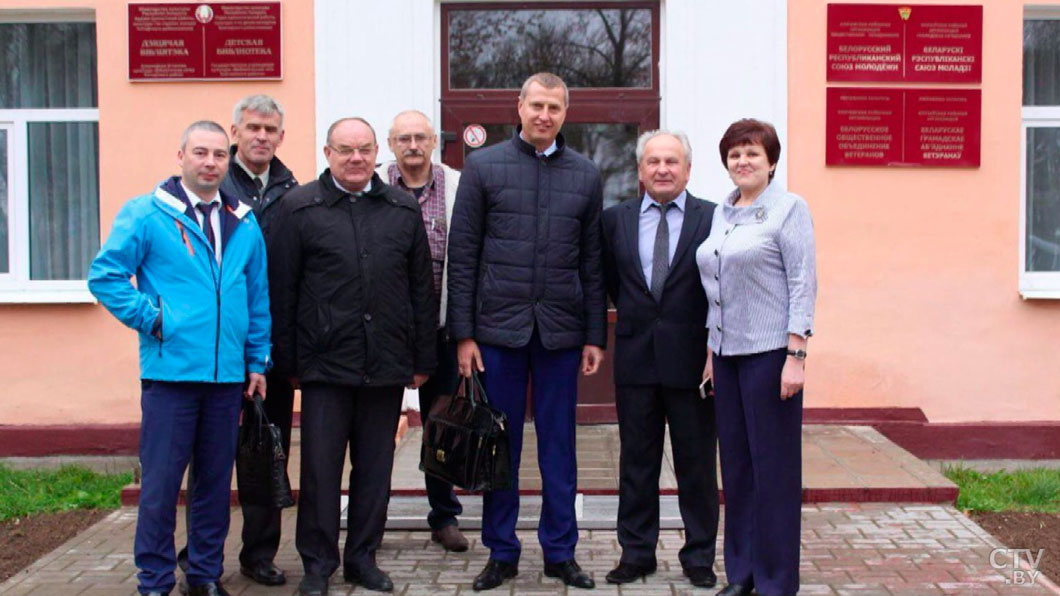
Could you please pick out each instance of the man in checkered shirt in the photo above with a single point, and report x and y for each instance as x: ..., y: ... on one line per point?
x: 412, y: 140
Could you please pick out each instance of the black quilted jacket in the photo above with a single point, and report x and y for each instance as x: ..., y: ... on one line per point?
x: 524, y: 249
x: 350, y: 286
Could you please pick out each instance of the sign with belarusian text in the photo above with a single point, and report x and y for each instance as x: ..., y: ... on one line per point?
x: 921, y: 43
x: 205, y: 41
x: 903, y: 127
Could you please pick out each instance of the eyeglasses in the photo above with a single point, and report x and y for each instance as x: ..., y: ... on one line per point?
x: 406, y: 139
x: 343, y: 151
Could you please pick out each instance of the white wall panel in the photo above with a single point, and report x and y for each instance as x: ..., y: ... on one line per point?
x: 720, y: 61
x: 374, y: 59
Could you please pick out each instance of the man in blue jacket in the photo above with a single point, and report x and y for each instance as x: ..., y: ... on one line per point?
x: 201, y: 307
x: 527, y: 306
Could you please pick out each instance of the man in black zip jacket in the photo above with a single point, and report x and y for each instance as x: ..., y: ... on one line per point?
x: 527, y: 305
x: 355, y: 322
x: 259, y: 180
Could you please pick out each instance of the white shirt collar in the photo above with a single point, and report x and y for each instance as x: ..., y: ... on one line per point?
x: 194, y: 198
x: 367, y: 187
x: 264, y: 175
x: 679, y: 200
x: 548, y: 150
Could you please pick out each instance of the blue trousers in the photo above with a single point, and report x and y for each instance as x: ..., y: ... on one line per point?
x: 760, y: 442
x: 181, y: 420
x: 554, y: 376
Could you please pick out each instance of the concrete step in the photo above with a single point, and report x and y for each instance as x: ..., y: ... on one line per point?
x: 840, y: 464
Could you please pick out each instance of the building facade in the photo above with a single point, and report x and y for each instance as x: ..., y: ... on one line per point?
x: 938, y: 286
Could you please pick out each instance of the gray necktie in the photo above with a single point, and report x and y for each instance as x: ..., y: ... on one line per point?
x: 258, y: 185
x: 660, y: 257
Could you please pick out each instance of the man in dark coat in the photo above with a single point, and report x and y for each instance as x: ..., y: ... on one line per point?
x: 355, y: 322
x: 527, y: 303
x: 660, y: 349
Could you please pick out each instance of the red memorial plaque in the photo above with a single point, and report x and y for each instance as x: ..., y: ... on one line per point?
x: 871, y: 126
x: 896, y: 43
x: 216, y: 41
x: 942, y: 127
x: 864, y: 126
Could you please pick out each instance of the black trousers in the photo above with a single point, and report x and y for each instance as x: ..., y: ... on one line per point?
x: 643, y: 412
x: 444, y: 504
x: 761, y: 468
x: 365, y: 418
x: 261, y: 525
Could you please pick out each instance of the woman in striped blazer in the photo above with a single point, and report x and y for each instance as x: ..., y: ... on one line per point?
x: 758, y: 269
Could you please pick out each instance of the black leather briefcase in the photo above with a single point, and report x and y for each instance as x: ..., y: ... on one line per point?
x: 261, y: 464
x: 465, y: 440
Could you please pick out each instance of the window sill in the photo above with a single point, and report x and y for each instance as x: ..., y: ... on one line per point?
x: 67, y: 293
x: 1040, y: 294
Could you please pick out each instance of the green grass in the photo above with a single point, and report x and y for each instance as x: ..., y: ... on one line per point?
x: 25, y: 492
x: 1035, y: 489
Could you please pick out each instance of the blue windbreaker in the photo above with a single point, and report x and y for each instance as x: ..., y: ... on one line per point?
x: 215, y: 317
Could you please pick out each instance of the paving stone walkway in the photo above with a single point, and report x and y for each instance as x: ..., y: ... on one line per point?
x: 847, y: 549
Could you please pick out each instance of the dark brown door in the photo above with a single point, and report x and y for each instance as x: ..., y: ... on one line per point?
x: 607, y: 52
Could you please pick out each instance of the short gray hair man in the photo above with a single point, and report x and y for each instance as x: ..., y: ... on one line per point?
x: 262, y: 104
x: 642, y: 142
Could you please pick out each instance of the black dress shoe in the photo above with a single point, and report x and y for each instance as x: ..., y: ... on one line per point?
x: 265, y: 573
x: 628, y: 572
x: 702, y: 577
x: 494, y: 575
x: 312, y: 585
x: 370, y: 578
x: 736, y: 590
x: 571, y: 574
x: 210, y: 589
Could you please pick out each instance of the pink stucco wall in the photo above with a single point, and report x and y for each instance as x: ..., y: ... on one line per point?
x: 918, y: 301
x: 75, y: 363
x: 919, y: 305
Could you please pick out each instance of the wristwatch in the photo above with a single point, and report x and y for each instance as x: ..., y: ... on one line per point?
x: 800, y: 354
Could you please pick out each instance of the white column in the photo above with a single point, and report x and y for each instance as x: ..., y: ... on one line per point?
x: 722, y: 61
x: 373, y: 60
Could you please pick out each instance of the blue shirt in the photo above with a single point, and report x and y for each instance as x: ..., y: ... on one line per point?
x: 649, y: 223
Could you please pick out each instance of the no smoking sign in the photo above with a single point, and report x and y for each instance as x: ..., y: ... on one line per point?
x: 474, y: 136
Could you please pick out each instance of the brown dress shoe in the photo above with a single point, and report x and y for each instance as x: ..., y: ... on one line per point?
x: 450, y: 538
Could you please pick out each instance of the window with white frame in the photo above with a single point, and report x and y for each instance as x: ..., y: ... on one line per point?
x: 1040, y: 221
x: 49, y: 156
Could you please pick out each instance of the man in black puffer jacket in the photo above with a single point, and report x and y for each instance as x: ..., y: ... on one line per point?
x: 355, y: 321
x: 526, y: 303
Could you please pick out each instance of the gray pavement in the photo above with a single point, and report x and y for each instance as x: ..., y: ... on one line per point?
x: 872, y: 548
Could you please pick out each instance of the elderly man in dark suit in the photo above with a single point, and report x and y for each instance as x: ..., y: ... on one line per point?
x: 660, y: 348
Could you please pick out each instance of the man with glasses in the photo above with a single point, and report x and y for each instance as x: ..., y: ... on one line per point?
x: 412, y: 140
x: 355, y: 323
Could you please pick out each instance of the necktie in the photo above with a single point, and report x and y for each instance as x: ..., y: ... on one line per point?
x: 258, y: 185
x: 660, y: 258
x: 207, y: 226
